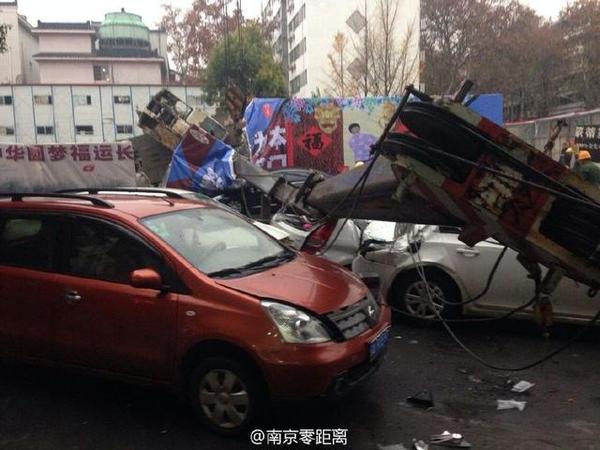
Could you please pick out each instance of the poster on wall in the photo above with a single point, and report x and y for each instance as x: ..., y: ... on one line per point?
x: 327, y: 134
x: 52, y: 167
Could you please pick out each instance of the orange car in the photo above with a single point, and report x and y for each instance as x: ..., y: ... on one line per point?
x: 181, y: 293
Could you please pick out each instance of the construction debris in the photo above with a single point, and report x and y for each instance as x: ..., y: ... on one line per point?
x: 448, y: 439
x: 522, y: 386
x: 422, y: 398
x: 511, y: 404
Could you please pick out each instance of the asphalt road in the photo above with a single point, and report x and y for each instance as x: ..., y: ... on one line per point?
x: 48, y: 409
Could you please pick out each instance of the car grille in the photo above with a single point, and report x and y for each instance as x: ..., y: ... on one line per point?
x: 355, y: 319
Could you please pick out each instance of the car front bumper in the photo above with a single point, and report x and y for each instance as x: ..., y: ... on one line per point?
x: 329, y: 369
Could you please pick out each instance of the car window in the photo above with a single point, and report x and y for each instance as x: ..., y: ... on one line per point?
x: 28, y: 241
x: 213, y: 239
x: 103, y: 251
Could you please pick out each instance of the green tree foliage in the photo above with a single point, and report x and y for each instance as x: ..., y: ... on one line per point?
x: 247, y: 63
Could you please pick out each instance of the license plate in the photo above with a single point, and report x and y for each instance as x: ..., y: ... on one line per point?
x: 377, y: 345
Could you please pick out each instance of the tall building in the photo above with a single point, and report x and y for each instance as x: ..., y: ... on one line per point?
x: 80, y: 82
x: 305, y: 31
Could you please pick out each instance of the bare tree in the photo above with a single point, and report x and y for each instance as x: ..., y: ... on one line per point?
x: 177, y: 46
x: 341, y: 83
x: 392, y: 58
x: 386, y: 56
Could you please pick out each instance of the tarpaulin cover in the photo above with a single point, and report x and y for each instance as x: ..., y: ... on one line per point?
x: 201, y: 162
x: 52, y: 167
x: 328, y: 134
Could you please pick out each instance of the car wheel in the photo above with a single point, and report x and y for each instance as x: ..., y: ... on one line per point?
x: 410, y: 296
x: 227, y: 395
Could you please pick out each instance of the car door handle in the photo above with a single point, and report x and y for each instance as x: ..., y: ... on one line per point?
x: 72, y: 297
x: 469, y: 252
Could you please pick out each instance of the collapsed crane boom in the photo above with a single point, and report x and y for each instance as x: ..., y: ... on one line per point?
x: 453, y: 168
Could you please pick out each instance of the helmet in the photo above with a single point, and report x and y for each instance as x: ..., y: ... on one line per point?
x: 583, y: 155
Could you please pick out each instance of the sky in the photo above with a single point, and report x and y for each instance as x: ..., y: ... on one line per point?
x: 82, y: 10
x: 151, y: 12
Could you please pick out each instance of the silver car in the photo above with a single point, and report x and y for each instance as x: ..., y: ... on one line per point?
x: 456, y: 273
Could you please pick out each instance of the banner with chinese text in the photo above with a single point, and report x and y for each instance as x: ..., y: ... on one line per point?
x: 588, y: 138
x: 201, y: 163
x: 52, y: 167
x: 328, y: 134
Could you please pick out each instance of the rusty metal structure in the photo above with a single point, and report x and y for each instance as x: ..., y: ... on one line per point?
x: 454, y: 168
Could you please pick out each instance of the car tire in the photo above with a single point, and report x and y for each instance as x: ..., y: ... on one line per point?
x: 227, y: 395
x: 410, y: 299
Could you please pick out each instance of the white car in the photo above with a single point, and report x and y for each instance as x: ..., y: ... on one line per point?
x: 326, y: 240
x: 456, y: 273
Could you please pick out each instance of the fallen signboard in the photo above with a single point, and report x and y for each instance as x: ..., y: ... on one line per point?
x: 52, y: 167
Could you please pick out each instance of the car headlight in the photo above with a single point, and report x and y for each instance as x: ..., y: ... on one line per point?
x: 294, y: 325
x: 373, y: 307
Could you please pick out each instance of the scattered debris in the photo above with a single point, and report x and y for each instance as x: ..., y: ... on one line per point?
x: 398, y: 337
x: 414, y: 341
x: 522, y: 386
x: 474, y: 379
x: 420, y: 445
x: 422, y: 398
x: 448, y: 439
x: 463, y: 370
x: 511, y: 404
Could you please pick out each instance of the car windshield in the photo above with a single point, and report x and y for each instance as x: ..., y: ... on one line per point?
x: 217, y: 242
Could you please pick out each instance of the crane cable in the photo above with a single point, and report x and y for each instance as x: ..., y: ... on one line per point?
x: 421, y: 271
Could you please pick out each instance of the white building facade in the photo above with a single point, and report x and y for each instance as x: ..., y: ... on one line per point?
x: 306, y: 38
x: 42, y: 114
x: 80, y: 82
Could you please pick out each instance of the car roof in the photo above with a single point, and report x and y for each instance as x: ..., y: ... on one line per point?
x: 121, y: 204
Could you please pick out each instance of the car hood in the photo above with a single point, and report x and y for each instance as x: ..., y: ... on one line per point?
x: 307, y: 281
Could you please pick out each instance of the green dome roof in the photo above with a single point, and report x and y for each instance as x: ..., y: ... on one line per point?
x: 123, y: 25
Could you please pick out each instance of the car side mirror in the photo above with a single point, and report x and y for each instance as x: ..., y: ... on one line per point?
x: 146, y: 279
x: 371, y: 245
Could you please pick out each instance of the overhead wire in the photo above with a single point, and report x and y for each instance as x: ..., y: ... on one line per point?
x: 501, y: 174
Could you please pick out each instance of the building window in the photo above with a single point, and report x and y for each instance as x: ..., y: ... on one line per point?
x: 122, y: 99
x: 42, y: 99
x: 82, y: 100
x: 298, y: 82
x: 298, y: 51
x: 124, y: 129
x: 84, y: 130
x: 5, y: 100
x: 101, y: 72
x: 194, y: 100
x: 45, y: 130
x: 297, y: 20
x: 7, y: 131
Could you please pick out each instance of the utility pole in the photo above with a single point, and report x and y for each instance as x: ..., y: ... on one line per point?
x: 366, y: 51
x: 342, y: 68
x: 285, y: 45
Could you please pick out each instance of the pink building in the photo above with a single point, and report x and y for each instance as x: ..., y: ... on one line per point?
x: 121, y: 50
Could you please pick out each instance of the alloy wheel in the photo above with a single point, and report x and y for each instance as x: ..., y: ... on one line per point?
x: 224, y: 398
x: 417, y: 301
